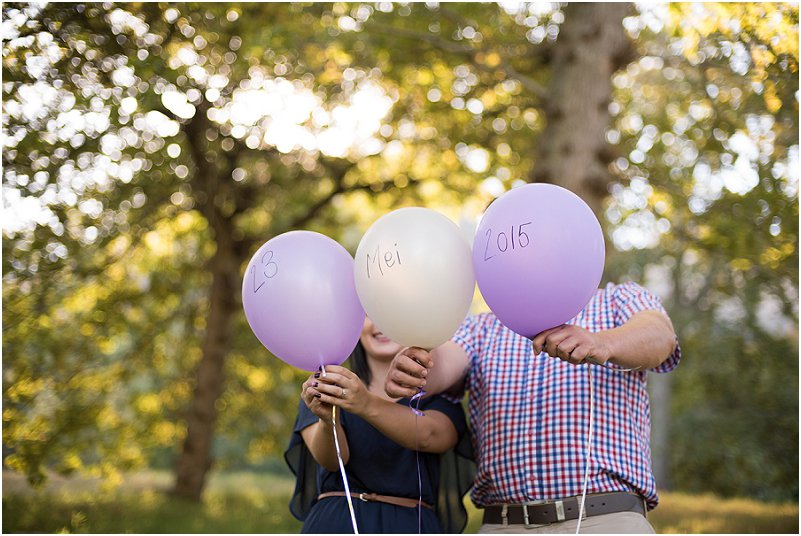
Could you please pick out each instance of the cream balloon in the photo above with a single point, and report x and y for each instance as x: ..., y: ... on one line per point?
x: 414, y: 276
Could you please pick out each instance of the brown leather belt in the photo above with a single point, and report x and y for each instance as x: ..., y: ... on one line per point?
x: 368, y: 497
x: 563, y: 509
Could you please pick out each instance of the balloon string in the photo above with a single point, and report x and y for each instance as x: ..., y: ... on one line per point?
x: 341, y: 465
x: 589, y: 448
x: 417, y: 398
x: 342, y: 470
x: 418, y: 413
x: 589, y: 430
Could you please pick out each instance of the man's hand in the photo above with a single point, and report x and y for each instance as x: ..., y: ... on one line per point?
x: 573, y: 344
x: 407, y: 372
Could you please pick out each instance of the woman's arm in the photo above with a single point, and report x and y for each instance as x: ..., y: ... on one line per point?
x: 319, y: 437
x: 434, y: 432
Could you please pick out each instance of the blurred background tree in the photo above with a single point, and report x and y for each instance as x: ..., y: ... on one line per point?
x: 706, y: 124
x: 149, y: 149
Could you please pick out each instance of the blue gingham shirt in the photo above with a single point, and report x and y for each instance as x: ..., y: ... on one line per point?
x: 529, y: 413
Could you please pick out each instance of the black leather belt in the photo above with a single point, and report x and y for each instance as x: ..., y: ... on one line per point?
x: 563, y: 509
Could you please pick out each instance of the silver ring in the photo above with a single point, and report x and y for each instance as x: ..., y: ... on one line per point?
x: 344, y: 393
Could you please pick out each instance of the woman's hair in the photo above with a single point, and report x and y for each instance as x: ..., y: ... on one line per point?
x: 359, y: 365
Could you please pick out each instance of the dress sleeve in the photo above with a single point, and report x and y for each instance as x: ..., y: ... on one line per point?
x: 303, y: 465
x: 630, y: 298
x: 457, y: 469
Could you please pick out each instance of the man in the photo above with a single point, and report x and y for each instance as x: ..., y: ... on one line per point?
x: 530, y: 412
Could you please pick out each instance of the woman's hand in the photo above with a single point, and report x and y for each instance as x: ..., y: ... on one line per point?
x: 309, y: 395
x: 342, y: 388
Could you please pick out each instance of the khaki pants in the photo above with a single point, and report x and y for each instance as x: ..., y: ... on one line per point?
x: 618, y: 523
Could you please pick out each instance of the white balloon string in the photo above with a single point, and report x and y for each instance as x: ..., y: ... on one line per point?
x: 613, y: 369
x: 342, y: 470
x: 341, y: 465
x: 587, y: 458
x: 589, y: 430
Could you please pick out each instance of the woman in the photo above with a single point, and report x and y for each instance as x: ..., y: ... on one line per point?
x: 378, y: 439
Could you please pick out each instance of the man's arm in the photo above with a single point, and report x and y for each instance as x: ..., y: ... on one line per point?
x: 413, y: 368
x: 643, y: 342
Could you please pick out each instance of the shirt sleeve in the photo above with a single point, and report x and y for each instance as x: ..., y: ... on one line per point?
x: 630, y: 298
x: 467, y: 336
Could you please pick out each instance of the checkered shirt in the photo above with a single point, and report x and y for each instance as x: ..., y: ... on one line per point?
x: 529, y: 413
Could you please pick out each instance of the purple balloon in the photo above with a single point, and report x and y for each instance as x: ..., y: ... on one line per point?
x: 538, y: 256
x: 300, y: 299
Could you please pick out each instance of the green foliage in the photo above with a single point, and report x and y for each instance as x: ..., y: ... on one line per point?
x: 142, y: 160
x: 82, y: 339
x: 130, y: 125
x: 736, y: 422
x: 707, y: 132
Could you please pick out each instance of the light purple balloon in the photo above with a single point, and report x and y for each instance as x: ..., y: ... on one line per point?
x: 300, y: 299
x: 538, y: 257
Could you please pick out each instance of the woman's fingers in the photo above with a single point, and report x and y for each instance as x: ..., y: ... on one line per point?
x: 335, y: 391
x: 336, y: 369
x: 333, y: 378
x: 307, y: 392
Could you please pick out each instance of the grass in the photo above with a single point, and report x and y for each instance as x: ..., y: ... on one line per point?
x: 257, y: 503
x: 681, y: 513
x: 233, y: 503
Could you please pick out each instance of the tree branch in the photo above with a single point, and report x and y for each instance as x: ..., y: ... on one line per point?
x: 339, y: 180
x: 527, y: 82
x: 465, y: 51
x: 340, y: 189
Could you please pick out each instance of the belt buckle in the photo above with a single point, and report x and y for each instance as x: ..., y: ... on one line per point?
x: 361, y: 497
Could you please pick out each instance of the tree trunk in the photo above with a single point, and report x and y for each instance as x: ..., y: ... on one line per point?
x: 195, y: 459
x: 573, y: 151
x: 659, y: 388
x: 213, y: 188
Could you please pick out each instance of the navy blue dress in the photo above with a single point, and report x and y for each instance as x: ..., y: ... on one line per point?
x: 379, y: 465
